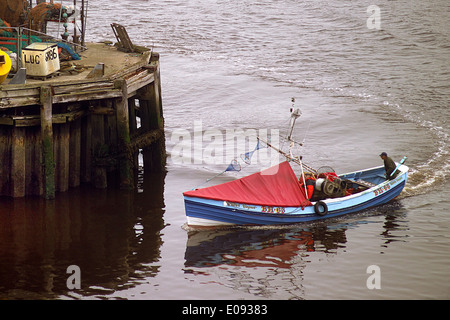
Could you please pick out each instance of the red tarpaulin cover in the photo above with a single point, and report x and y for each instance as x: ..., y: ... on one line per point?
x: 276, y: 186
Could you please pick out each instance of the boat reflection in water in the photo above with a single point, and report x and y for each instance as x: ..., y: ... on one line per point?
x: 281, y: 262
x: 264, y: 263
x: 260, y: 247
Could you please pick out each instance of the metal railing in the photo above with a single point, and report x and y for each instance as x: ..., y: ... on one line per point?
x: 22, y: 34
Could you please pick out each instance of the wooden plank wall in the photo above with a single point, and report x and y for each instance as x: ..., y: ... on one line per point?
x: 84, y: 150
x: 53, y: 138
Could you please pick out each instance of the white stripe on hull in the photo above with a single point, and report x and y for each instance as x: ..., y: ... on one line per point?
x: 200, y: 222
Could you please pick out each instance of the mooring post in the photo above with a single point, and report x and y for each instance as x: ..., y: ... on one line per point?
x: 133, y: 129
x: 61, y: 156
x: 99, y: 173
x: 123, y: 135
x: 47, y: 142
x: 75, y: 153
x: 154, y: 95
x: 18, y: 162
x: 152, y: 119
x: 86, y: 149
x: 133, y: 122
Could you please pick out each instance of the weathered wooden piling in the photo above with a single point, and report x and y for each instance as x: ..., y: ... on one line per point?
x: 48, y: 171
x: 59, y: 133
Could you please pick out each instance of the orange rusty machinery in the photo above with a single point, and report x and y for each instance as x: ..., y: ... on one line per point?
x: 34, y: 15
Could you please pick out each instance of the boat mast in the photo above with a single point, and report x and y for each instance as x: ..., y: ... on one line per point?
x: 295, y: 113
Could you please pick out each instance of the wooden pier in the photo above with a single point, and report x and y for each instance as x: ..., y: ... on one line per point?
x: 83, y: 126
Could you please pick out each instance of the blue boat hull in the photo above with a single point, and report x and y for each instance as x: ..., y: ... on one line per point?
x: 206, y: 212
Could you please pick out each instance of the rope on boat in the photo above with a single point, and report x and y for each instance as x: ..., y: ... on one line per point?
x: 246, y: 157
x: 288, y: 157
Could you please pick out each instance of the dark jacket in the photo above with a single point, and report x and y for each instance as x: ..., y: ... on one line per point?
x: 389, y: 166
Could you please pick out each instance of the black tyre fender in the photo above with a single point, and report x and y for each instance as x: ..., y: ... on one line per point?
x: 321, y: 208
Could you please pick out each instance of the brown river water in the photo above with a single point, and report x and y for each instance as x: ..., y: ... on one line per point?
x: 235, y: 65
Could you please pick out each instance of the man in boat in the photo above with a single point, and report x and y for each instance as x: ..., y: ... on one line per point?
x: 389, y: 166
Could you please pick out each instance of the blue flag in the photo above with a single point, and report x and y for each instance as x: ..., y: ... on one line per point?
x: 247, y: 157
x: 233, y: 166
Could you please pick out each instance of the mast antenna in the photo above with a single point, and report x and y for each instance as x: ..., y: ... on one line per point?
x: 295, y: 113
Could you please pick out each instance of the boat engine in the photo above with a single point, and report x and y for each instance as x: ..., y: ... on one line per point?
x: 329, y: 185
x: 335, y: 188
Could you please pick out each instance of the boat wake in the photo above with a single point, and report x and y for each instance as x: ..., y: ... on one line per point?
x: 426, y: 177
x: 433, y: 172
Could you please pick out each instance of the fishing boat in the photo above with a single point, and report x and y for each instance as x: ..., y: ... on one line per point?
x: 277, y: 196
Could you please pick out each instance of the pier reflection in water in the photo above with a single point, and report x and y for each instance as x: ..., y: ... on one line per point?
x: 112, y: 235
